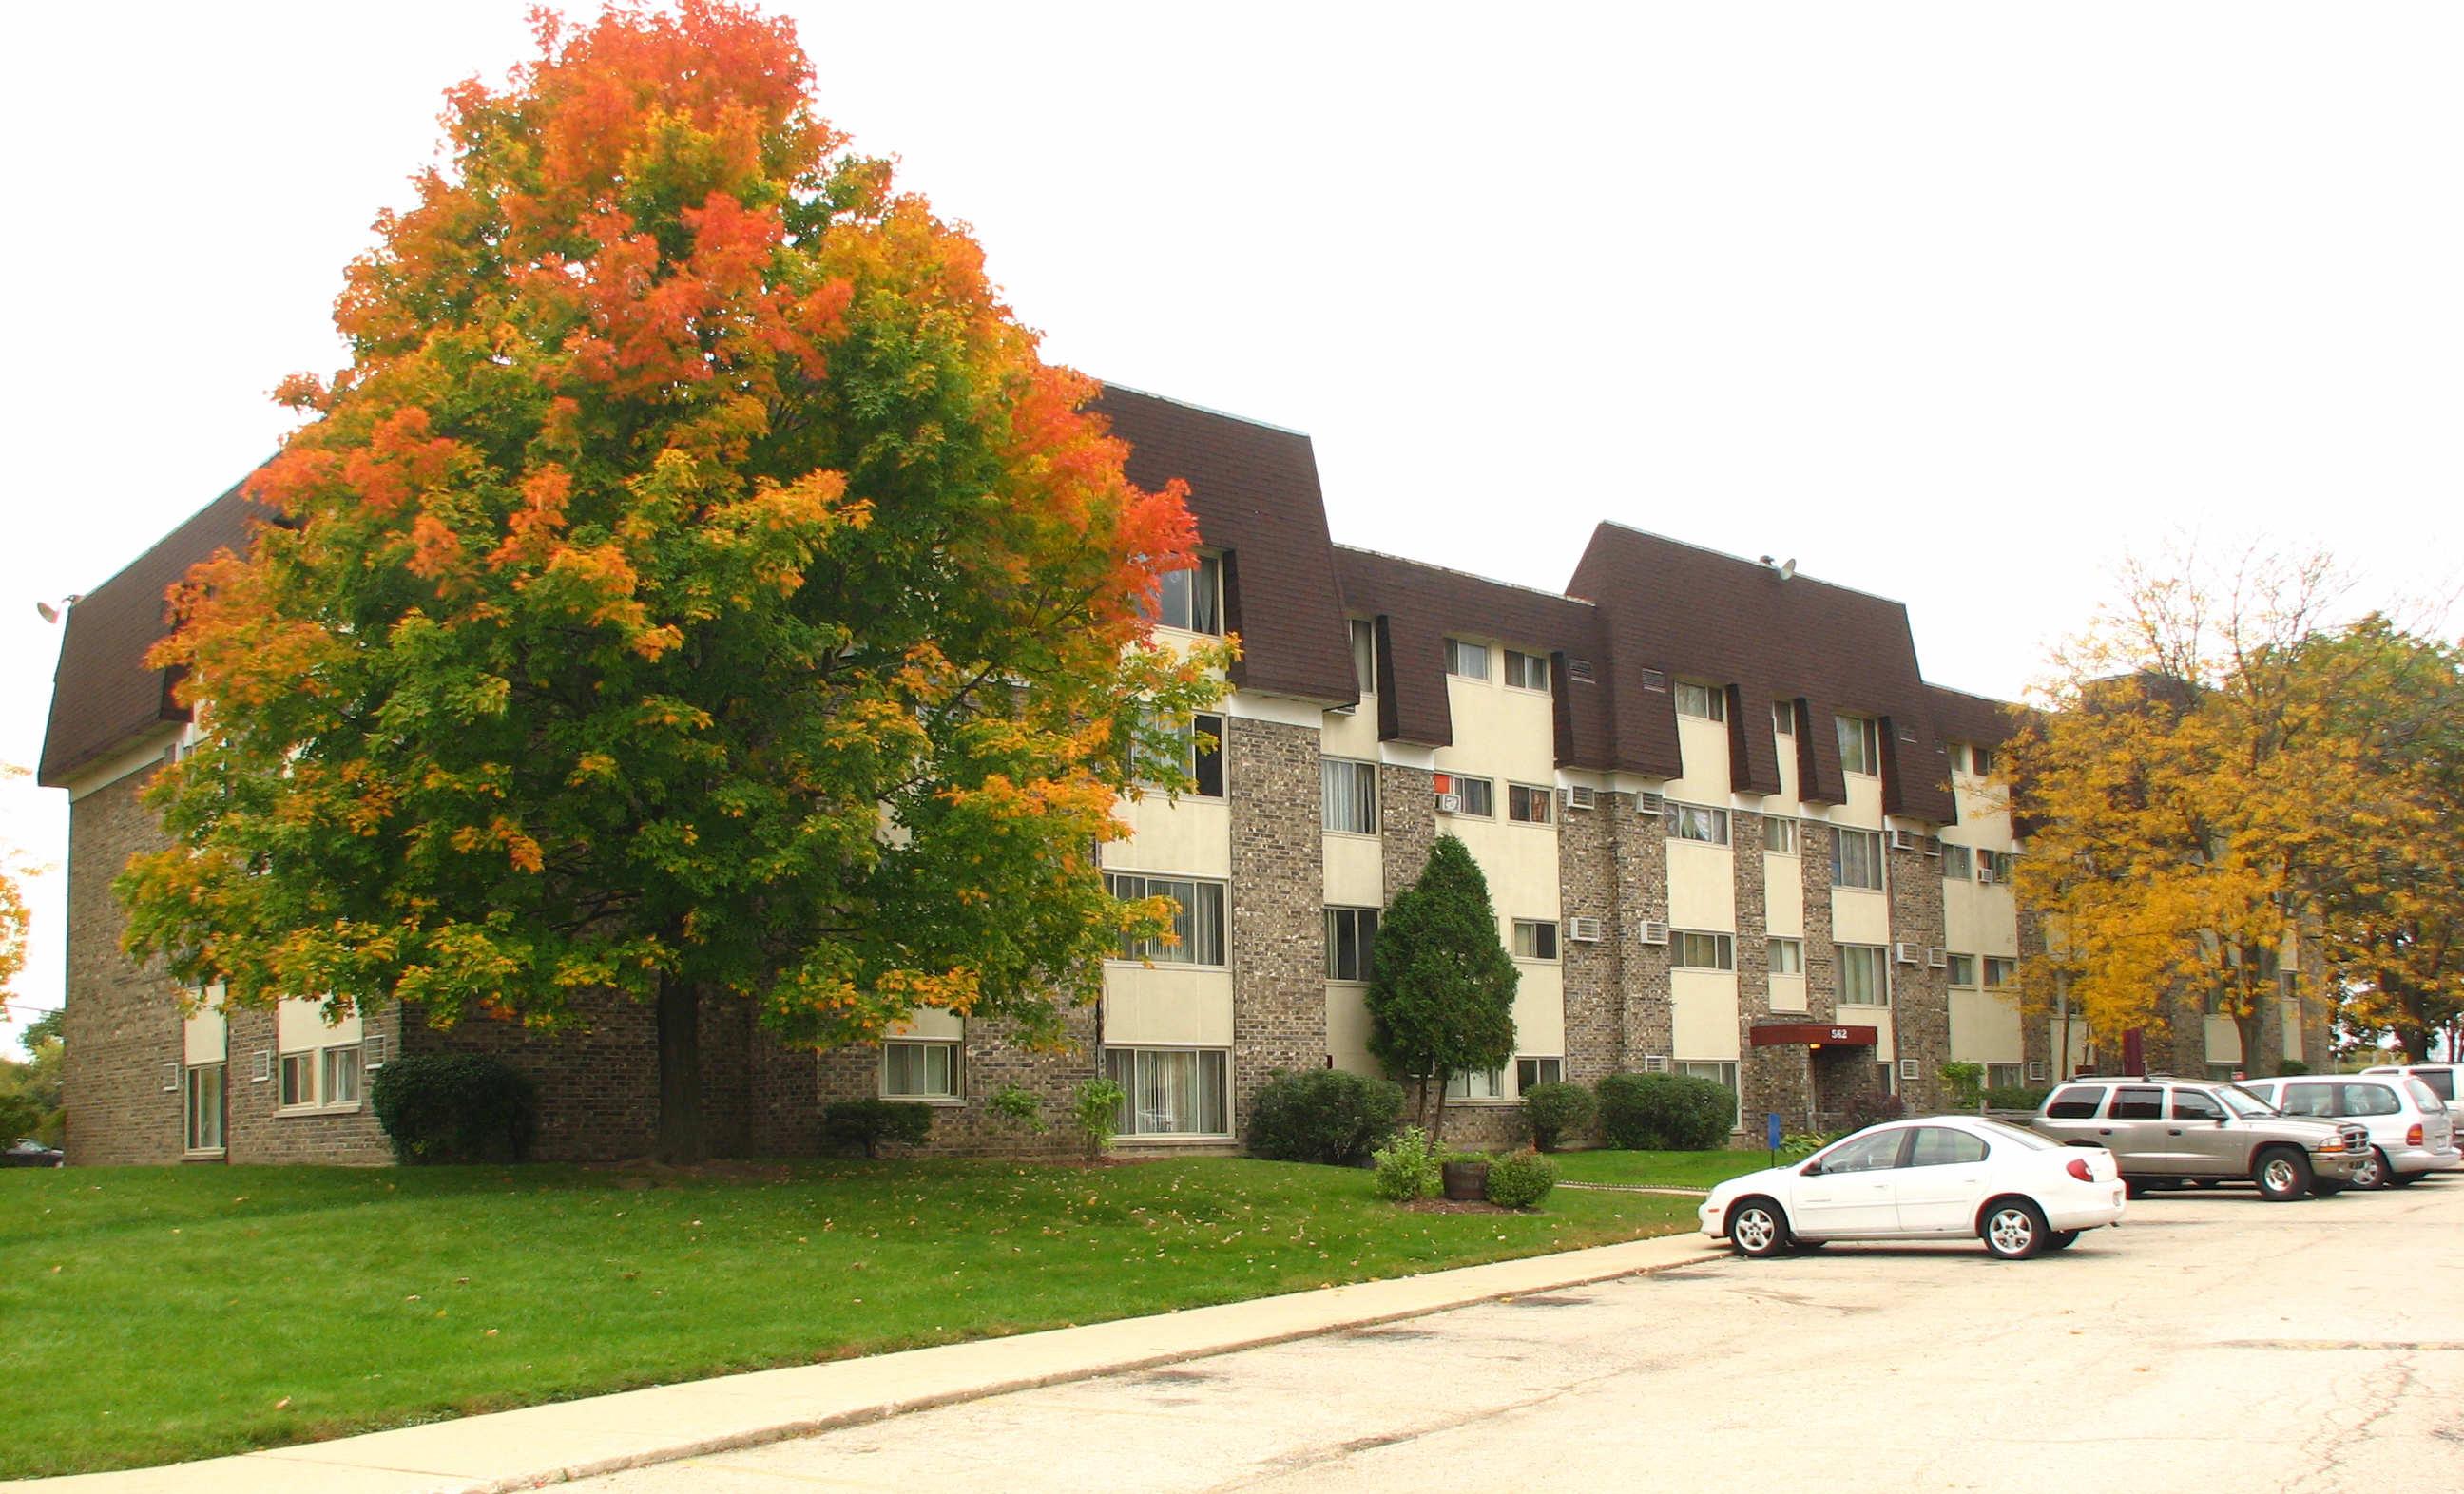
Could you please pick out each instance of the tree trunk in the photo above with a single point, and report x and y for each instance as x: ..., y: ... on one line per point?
x: 680, y: 1140
x: 2248, y: 1026
x: 1437, y: 1111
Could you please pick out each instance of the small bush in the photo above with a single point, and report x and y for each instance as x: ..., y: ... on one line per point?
x: 2014, y: 1097
x: 869, y: 1123
x: 1096, y: 1111
x: 1800, y: 1145
x: 454, y: 1108
x: 1666, y: 1112
x: 1520, y: 1180
x: 1962, y: 1084
x: 2293, y: 1066
x: 1016, y: 1102
x: 1323, y: 1115
x: 1407, y: 1167
x: 1872, y: 1109
x: 1555, y: 1111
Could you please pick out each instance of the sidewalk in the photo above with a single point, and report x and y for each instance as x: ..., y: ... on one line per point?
x: 542, y: 1445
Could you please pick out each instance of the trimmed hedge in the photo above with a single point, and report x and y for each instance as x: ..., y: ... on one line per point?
x: 869, y: 1123
x: 454, y: 1108
x: 2015, y: 1097
x: 1554, y: 1111
x: 1520, y: 1180
x: 1666, y: 1112
x: 1323, y: 1115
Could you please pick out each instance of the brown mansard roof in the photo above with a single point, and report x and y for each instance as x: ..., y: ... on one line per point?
x: 1961, y: 717
x: 102, y: 694
x: 1253, y: 490
x: 1418, y: 607
x: 1674, y: 610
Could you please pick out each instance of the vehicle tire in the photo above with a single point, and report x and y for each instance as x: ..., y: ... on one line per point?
x: 2133, y: 1188
x: 2374, y: 1170
x: 2014, y: 1229
x: 2326, y: 1187
x: 1757, y: 1229
x: 2282, y: 1175
x: 2396, y: 1179
x: 2062, y: 1239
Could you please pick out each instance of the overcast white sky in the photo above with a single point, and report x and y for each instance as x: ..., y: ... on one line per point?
x: 1952, y: 302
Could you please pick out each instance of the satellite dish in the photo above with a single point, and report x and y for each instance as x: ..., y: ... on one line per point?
x: 1788, y: 567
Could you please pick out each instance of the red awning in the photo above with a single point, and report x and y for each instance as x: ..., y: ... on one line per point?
x: 1818, y: 1034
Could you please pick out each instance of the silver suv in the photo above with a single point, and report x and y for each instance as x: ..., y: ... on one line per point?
x: 2163, y: 1130
x: 2411, y: 1134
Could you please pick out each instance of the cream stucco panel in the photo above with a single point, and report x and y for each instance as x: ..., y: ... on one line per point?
x: 1347, y: 1028
x: 1190, y: 837
x: 1859, y: 917
x: 300, y: 1025
x: 1705, y: 1013
x: 1864, y: 805
x: 207, y: 1035
x: 1984, y: 1028
x: 1540, y: 1009
x: 931, y: 1023
x: 1701, y: 886
x: 1165, y: 1005
x: 1351, y: 734
x: 1788, y: 993
x: 1978, y: 920
x: 1784, y: 895
x: 1355, y: 872
x: 2224, y: 1041
x: 1703, y: 747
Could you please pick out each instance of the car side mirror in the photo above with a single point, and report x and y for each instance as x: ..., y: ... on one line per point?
x: 1809, y: 1170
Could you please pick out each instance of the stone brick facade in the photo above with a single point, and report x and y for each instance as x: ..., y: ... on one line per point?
x: 1594, y: 974
x: 122, y: 1029
x: 1647, y: 1018
x: 1278, y: 919
x: 1920, y: 993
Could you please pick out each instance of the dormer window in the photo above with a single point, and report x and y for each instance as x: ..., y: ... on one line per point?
x: 1704, y: 702
x: 1860, y: 745
x: 1469, y: 660
x: 1191, y: 600
x: 1527, y: 670
x: 1364, y: 656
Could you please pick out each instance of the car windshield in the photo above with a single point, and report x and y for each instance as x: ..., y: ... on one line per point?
x: 2017, y: 1138
x: 2244, y: 1104
x: 2424, y: 1096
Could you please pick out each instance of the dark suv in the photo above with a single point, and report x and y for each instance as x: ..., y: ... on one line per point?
x: 2163, y: 1130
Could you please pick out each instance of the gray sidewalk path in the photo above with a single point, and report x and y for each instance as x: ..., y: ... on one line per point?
x: 540, y: 1445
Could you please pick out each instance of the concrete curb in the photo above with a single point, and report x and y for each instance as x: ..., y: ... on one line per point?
x: 542, y: 1445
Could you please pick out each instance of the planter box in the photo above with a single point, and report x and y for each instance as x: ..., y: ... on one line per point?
x: 1466, y: 1182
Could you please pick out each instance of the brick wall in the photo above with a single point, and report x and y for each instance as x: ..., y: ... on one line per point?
x: 1773, y: 1078
x: 1407, y: 824
x: 1647, y: 1016
x: 1919, y: 993
x: 122, y: 1025
x: 1278, y: 904
x: 1593, y: 973
x: 257, y: 1131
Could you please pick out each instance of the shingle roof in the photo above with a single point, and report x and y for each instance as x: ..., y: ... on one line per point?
x: 1420, y: 605
x: 102, y: 693
x: 1961, y: 717
x: 1253, y: 490
x: 1684, y: 611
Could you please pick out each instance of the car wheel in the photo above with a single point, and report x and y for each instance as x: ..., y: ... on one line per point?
x: 2062, y: 1239
x: 1757, y: 1229
x: 2374, y: 1170
x: 2014, y: 1229
x: 2282, y: 1175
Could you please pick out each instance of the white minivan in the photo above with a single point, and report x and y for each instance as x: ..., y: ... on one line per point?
x: 2445, y: 1079
x: 2413, y: 1133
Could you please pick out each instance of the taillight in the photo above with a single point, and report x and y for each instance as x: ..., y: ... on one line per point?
x: 2078, y: 1168
x: 2412, y: 1138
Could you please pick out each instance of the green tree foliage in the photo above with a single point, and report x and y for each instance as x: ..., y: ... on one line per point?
x: 1442, y: 995
x: 1323, y: 1115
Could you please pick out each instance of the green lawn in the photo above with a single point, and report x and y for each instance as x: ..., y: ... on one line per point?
x: 1659, y: 1169
x: 148, y: 1315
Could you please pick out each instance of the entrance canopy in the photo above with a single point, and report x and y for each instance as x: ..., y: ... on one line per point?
x: 1812, y: 1034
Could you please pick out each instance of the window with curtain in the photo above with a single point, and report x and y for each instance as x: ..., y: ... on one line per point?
x: 1857, y: 859
x: 1467, y: 659
x: 1721, y: 1071
x: 1191, y: 600
x: 919, y: 1070
x: 1708, y: 702
x: 1527, y: 670
x: 1788, y: 957
x: 1535, y: 939
x: 1860, y: 745
x: 1172, y: 1091
x: 1351, y: 795
x: 1528, y: 803
x: 1478, y: 1085
x: 1689, y: 950
x: 1779, y: 835
x: 1197, y: 923
x: 1865, y: 978
x: 1364, y: 656
x: 207, y: 1106
x: 1697, y: 823
x: 1958, y: 863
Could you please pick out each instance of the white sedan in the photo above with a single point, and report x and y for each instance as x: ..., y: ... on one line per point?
x: 1938, y: 1177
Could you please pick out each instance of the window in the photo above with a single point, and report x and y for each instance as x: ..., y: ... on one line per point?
x: 1874, y: 1153
x: 1702, y: 951
x: 1788, y: 957
x: 919, y: 1070
x: 1974, y: 758
x: 1865, y: 978
x: 1350, y: 934
x: 2079, y: 1102
x: 1535, y: 939
x: 1999, y: 972
x: 2367, y: 1100
x: 1200, y: 754
x: 1529, y: 1071
x: 1171, y: 1092
x: 1197, y: 923
x: 2191, y: 1104
x: 1958, y: 863
x: 1351, y: 797
x: 1468, y: 659
x: 2132, y: 1102
x: 1940, y: 1146
x: 342, y: 1074
x: 1477, y: 1084
x: 1479, y: 796
x: 1527, y: 670
x: 1706, y: 701
x: 1857, y: 859
x: 206, y: 1106
x: 1191, y: 600
x: 1963, y: 970
x: 1719, y: 1071
x: 2005, y: 1076
x: 298, y: 1079
x: 1784, y: 717
x: 1779, y: 835
x: 1697, y: 823
x: 1364, y: 656
x: 1861, y: 744
x: 1993, y: 866
x: 1528, y: 803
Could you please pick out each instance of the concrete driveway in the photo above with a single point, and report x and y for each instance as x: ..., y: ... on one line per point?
x: 2214, y: 1342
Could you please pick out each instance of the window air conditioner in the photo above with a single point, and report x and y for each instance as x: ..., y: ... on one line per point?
x: 1583, y: 929
x: 1907, y: 840
x: 1449, y: 803
x: 1937, y: 957
x: 1654, y: 932
x: 1907, y: 954
x: 1650, y: 801
x: 1580, y: 796
x: 1655, y: 1062
x: 1908, y: 1068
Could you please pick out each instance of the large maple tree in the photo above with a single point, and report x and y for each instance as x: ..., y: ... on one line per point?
x: 695, y: 588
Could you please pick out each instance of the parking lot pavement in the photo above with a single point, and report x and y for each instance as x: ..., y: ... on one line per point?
x: 2213, y: 1342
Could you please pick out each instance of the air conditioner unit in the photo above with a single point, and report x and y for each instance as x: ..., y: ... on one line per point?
x: 1655, y: 1062
x: 1907, y: 840
x: 1908, y: 1068
x: 372, y: 1051
x: 1984, y: 870
x: 1934, y: 846
x: 1654, y: 932
x: 1580, y: 796
x: 1937, y: 957
x: 261, y: 1068
x: 170, y: 1077
x: 1650, y: 801
x: 2036, y: 1069
x: 1906, y: 954
x: 1582, y: 929
x: 1449, y: 803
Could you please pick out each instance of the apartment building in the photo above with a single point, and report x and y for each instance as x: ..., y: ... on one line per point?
x: 1728, y: 828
